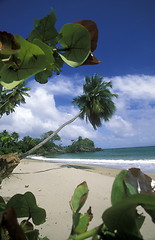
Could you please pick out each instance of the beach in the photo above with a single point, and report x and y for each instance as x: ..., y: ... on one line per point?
x: 53, y: 185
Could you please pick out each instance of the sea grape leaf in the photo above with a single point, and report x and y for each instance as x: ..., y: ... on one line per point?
x: 20, y: 205
x: 8, y: 43
x: 76, y: 41
x: 118, y: 189
x: 140, y: 181
x: 79, y: 197
x: 25, y: 206
x: 123, y: 216
x: 32, y: 61
x: 38, y: 214
x: 45, y: 30
x: 42, y: 77
x: 47, y: 50
x: 83, y: 223
x: 91, y: 60
x: 91, y: 26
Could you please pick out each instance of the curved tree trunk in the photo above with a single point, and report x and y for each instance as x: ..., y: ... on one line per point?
x: 49, y: 137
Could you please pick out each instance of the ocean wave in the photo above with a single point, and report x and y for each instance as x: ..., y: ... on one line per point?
x: 145, y: 165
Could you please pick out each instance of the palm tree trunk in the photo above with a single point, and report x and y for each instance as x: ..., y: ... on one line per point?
x: 23, y: 155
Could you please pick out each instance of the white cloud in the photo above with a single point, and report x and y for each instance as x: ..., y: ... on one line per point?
x: 135, y: 86
x: 132, y: 124
x: 120, y: 127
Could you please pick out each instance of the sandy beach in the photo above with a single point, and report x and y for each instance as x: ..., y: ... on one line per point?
x: 53, y: 185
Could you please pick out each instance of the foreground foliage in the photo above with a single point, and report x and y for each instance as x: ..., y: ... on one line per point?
x: 121, y: 221
x: 45, y: 50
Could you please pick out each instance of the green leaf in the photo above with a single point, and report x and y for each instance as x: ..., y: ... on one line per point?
x: 79, y: 197
x: 123, y: 216
x: 118, y: 188
x: 20, y: 205
x: 76, y: 41
x: 82, y: 224
x: 47, y: 50
x: 32, y: 60
x: 44, y: 29
x: 38, y: 214
x: 25, y: 206
x: 42, y: 77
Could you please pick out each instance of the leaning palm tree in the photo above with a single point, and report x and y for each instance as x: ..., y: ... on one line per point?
x: 95, y: 105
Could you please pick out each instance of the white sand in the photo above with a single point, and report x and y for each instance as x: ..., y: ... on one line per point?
x: 53, y: 185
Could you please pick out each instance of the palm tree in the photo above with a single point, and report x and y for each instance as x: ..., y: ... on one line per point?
x: 95, y: 105
x: 9, y: 99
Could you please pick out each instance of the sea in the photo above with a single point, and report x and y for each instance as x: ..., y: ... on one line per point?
x: 121, y: 158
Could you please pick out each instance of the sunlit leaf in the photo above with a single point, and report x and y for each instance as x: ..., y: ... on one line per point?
x: 46, y: 49
x: 8, y: 43
x: 32, y: 60
x: 79, y: 197
x: 118, y: 188
x: 76, y: 41
x: 83, y: 223
x: 93, y: 31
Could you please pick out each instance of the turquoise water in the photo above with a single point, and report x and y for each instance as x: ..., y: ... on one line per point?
x: 121, y: 158
x: 134, y: 153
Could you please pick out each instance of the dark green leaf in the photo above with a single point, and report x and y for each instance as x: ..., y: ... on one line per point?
x: 44, y: 29
x: 20, y: 205
x: 76, y: 41
x: 32, y: 235
x: 25, y: 206
x: 123, y: 217
x: 42, y: 77
x: 38, y: 215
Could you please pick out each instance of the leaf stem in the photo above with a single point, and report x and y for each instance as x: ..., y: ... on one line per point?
x: 85, y: 234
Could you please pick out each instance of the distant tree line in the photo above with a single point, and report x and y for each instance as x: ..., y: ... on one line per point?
x: 11, y: 142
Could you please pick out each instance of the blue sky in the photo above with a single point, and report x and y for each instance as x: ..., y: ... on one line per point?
x: 127, y: 50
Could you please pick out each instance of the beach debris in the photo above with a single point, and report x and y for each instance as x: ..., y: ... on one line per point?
x: 7, y: 164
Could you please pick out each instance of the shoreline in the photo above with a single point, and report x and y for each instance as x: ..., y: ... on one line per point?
x: 53, y: 185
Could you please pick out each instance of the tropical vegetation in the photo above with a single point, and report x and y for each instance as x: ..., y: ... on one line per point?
x: 40, y: 56
x: 12, y: 143
x: 96, y: 104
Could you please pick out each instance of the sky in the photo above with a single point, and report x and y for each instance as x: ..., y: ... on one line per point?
x: 126, y: 47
